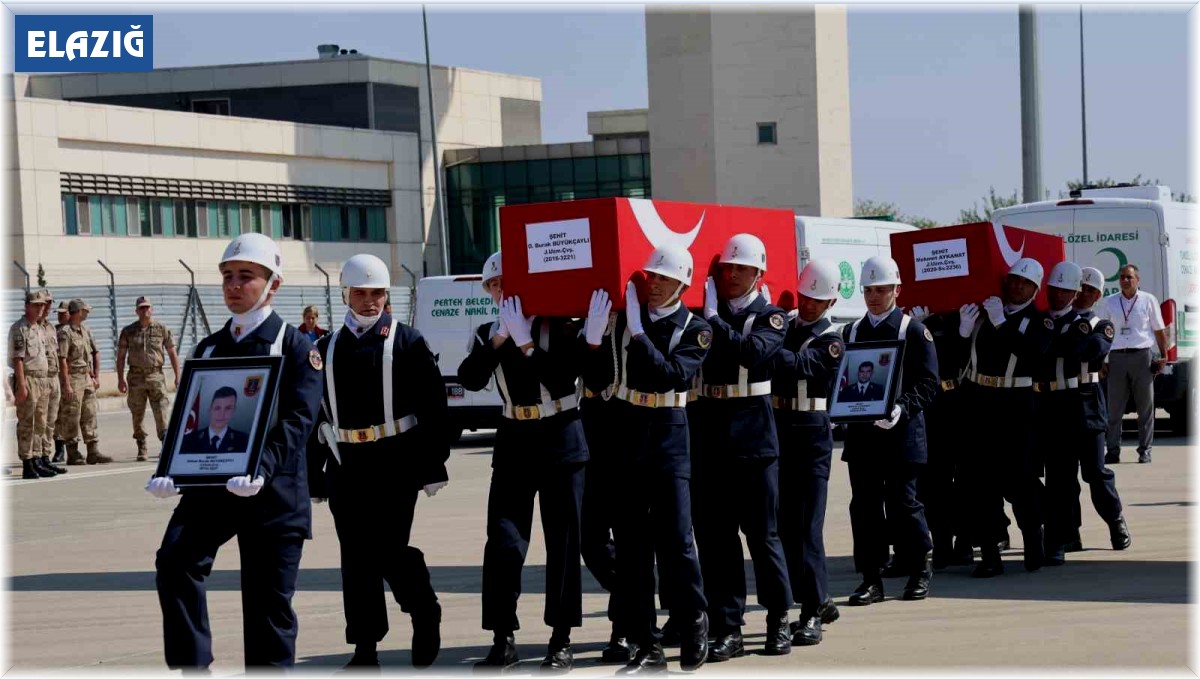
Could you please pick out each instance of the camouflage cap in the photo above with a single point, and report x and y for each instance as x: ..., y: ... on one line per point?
x: 78, y: 305
x: 143, y: 301
x: 63, y: 308
x: 37, y: 297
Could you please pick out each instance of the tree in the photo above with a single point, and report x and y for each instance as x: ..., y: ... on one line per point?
x: 871, y: 208
x: 991, y: 203
x: 41, y: 276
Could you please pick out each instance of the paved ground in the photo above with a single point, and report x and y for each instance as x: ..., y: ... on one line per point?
x: 82, y: 584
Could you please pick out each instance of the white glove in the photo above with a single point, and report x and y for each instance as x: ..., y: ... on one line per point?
x: 765, y: 292
x: 520, y: 329
x: 918, y: 313
x: 888, y: 424
x: 597, y: 318
x: 431, y: 489
x: 995, y: 310
x: 320, y: 500
x: 967, y: 315
x: 501, y: 328
x: 242, y: 486
x: 710, y: 298
x: 633, y: 310
x: 162, y: 487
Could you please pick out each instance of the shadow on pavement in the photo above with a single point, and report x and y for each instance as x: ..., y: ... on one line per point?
x: 1125, y: 581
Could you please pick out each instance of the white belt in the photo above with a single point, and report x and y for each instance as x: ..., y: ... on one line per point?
x: 1000, y: 382
x: 802, y: 405
x: 1089, y: 378
x: 1068, y: 383
x: 542, y: 409
x: 735, y: 390
x: 670, y: 399
x: 376, y: 432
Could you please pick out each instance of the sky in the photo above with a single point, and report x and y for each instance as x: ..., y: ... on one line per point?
x: 934, y: 92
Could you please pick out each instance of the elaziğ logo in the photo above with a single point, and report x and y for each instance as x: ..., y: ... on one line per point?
x: 92, y: 43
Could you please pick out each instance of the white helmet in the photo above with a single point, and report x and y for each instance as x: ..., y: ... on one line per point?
x: 1028, y: 268
x: 256, y: 248
x: 1065, y: 275
x: 673, y: 262
x: 820, y: 280
x: 880, y: 270
x: 747, y: 249
x: 1093, y: 277
x: 492, y: 268
x: 364, y: 271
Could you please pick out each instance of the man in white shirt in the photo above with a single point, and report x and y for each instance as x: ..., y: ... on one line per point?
x: 1138, y: 324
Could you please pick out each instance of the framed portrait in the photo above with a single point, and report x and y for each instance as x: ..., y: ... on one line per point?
x: 868, y: 381
x: 223, y: 409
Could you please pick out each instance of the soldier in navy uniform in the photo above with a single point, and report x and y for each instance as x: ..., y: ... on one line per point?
x: 1072, y: 418
x: 1001, y: 353
x: 381, y: 440
x: 805, y: 372
x: 940, y: 488
x: 659, y: 347
x: 735, y: 453
x: 886, y: 457
x: 540, y: 450
x: 271, y: 514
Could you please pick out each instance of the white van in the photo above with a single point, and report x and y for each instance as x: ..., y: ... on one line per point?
x: 1110, y: 227
x: 849, y: 242
x: 447, y: 312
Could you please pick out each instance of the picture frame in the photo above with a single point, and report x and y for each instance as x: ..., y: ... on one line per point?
x: 223, y: 410
x: 868, y: 383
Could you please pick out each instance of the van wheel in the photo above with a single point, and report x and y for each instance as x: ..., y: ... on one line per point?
x: 455, y: 432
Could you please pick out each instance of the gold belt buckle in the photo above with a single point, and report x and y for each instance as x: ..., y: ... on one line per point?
x: 363, y: 435
x: 528, y: 413
x: 643, y: 399
x: 947, y: 385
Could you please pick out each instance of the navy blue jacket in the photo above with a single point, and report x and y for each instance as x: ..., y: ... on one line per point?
x: 283, y: 504
x: 1083, y: 342
x: 656, y: 437
x: 994, y: 346
x: 739, y: 427
x: 556, y: 439
x: 918, y: 387
x: 413, y: 459
x: 817, y: 365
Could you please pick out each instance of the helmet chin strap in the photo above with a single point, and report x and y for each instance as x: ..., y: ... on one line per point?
x: 266, y: 291
x: 674, y: 295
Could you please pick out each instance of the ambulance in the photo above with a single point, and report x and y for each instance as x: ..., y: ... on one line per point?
x: 849, y: 242
x: 447, y: 311
x: 1110, y: 227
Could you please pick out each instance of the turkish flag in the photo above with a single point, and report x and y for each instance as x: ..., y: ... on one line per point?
x: 193, y: 418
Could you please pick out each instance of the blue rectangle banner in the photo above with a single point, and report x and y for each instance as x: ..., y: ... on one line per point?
x: 91, y: 43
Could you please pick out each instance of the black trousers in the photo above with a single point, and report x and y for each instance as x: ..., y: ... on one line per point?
x: 879, y: 486
x: 731, y: 495
x: 806, y: 451
x: 559, y: 490
x: 1082, y: 451
x: 655, y: 514
x: 270, y: 562
x: 1004, y: 463
x: 940, y: 488
x: 373, y: 528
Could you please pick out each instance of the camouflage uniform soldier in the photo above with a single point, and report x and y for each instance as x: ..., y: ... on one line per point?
x: 54, y: 416
x: 144, y: 342
x: 48, y: 434
x: 27, y: 356
x: 78, y: 365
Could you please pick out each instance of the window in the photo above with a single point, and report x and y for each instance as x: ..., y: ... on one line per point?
x: 83, y: 211
x: 287, y: 220
x: 306, y: 222
x: 133, y: 224
x: 156, y: 217
x: 216, y: 107
x: 364, y: 231
x: 201, y: 218
x: 70, y: 221
x: 185, y: 219
x: 343, y: 217
x: 766, y: 133
x: 144, y: 218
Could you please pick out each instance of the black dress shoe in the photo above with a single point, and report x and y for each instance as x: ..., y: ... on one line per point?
x: 1054, y: 555
x: 670, y: 635
x: 648, y: 659
x: 362, y: 662
x: 427, y: 636
x: 1118, y: 531
x: 44, y: 466
x: 727, y: 647
x: 53, y: 467
x: 1033, y: 555
x: 917, y: 587
x: 559, y: 658
x: 779, y: 635
x: 808, y: 633
x: 1144, y: 458
x: 693, y: 650
x: 828, y: 612
x: 618, y: 650
x: 502, y: 655
x: 28, y: 471
x: 60, y: 452
x: 1112, y: 458
x: 867, y: 593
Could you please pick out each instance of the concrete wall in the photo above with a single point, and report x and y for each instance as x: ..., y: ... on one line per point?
x: 618, y: 123
x: 54, y: 136
x: 715, y: 74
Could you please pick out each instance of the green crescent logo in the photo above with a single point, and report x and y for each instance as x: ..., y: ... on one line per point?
x: 846, y: 284
x: 1121, y: 262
